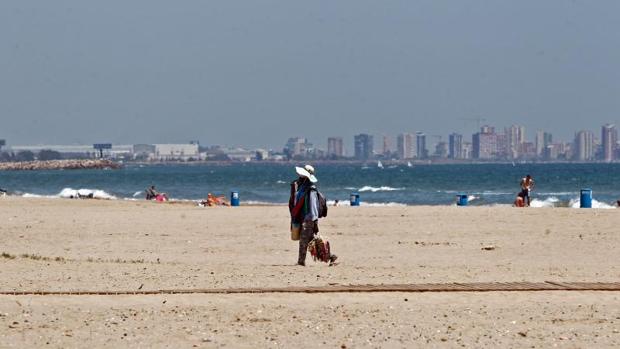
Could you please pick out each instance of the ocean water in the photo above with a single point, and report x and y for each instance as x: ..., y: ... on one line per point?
x: 485, y: 184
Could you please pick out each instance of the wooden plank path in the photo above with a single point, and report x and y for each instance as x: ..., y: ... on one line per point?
x: 336, y: 288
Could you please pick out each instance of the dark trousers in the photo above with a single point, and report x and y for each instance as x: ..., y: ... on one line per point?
x: 308, y: 229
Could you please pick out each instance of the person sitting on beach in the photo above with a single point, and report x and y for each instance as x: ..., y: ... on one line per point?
x: 527, y: 184
x: 151, y: 193
x: 161, y: 197
x: 519, y: 202
x: 213, y: 200
x: 304, y: 209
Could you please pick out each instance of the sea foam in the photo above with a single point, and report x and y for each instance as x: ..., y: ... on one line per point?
x: 376, y: 189
x: 573, y: 203
x: 95, y: 193
x: 548, y: 202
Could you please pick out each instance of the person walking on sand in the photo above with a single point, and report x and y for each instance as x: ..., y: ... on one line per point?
x: 304, y: 209
x: 527, y: 184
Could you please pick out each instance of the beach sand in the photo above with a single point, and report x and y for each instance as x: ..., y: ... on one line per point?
x: 93, y: 245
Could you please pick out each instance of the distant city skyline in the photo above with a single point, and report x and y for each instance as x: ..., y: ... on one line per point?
x: 522, y: 134
x: 488, y: 144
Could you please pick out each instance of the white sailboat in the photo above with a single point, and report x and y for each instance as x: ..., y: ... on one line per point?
x: 409, y: 164
x: 379, y: 164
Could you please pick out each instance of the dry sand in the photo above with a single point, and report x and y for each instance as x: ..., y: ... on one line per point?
x: 69, y: 245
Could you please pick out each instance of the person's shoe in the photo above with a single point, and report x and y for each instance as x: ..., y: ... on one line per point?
x: 301, y: 263
x: 332, y: 260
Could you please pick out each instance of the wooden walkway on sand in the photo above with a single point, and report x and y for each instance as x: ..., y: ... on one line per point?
x: 337, y: 288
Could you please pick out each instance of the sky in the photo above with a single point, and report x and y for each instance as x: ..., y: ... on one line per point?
x: 254, y: 73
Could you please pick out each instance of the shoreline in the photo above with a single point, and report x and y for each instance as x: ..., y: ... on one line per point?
x: 536, y: 203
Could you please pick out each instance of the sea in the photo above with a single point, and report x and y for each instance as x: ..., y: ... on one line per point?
x: 557, y: 184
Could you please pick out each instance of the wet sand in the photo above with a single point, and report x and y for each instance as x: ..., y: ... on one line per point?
x: 70, y: 245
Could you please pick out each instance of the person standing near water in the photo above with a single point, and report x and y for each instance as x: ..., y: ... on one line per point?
x: 304, y: 209
x: 527, y: 184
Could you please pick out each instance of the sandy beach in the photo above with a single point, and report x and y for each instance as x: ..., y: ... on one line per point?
x: 73, y: 245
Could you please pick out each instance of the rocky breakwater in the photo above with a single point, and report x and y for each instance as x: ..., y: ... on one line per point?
x: 58, y: 165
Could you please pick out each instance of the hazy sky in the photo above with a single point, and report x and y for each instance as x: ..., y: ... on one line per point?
x: 256, y: 72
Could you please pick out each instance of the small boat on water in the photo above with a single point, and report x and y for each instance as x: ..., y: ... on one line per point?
x: 379, y: 164
x: 409, y: 164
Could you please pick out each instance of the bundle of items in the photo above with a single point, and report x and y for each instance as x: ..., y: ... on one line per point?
x: 319, y: 249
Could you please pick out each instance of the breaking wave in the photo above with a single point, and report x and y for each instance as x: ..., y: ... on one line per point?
x: 69, y: 193
x: 572, y: 203
x: 548, y: 202
x: 382, y: 204
x: 89, y: 193
x: 376, y: 189
x: 29, y: 195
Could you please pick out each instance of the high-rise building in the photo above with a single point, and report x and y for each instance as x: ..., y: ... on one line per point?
x: 516, y: 136
x: 467, y: 150
x: 387, y: 146
x: 583, y: 149
x: 405, y: 146
x: 609, y: 137
x: 484, y: 144
x: 543, y: 140
x: 335, y: 147
x: 422, y: 152
x: 552, y: 151
x: 455, y: 146
x: 503, y: 149
x: 363, y: 146
x: 540, y: 143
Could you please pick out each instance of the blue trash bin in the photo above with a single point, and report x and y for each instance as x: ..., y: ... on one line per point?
x: 234, y: 198
x: 355, y: 199
x: 462, y: 200
x: 585, y: 199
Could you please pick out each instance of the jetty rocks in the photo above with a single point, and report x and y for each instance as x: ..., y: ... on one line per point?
x: 58, y: 165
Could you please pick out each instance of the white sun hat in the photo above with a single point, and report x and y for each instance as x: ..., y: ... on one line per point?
x: 309, y: 168
x: 308, y: 172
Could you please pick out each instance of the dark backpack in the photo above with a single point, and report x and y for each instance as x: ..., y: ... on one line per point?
x: 322, y: 204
